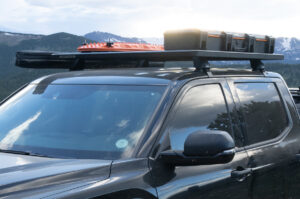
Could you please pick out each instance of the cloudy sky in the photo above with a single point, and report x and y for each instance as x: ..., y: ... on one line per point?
x: 150, y: 18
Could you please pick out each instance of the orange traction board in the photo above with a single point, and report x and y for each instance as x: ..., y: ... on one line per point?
x: 119, y: 47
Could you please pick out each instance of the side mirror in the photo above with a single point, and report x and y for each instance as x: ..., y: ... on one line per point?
x: 202, y: 148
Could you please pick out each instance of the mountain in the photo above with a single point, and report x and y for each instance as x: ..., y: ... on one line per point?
x: 54, y: 42
x: 290, y: 48
x: 12, y: 39
x: 105, y: 37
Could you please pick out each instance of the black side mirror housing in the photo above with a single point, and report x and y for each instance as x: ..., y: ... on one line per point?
x: 202, y: 148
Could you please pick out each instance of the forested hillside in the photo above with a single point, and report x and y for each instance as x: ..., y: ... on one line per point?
x: 12, y: 77
x: 290, y: 72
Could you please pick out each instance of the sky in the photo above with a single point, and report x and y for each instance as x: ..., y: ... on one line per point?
x: 150, y: 18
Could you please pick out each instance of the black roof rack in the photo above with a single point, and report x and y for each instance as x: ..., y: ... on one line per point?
x: 78, y: 60
x: 295, y: 91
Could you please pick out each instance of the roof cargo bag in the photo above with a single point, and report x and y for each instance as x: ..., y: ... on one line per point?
x: 194, y: 39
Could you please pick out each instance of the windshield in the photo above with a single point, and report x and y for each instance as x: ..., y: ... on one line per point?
x: 78, y: 121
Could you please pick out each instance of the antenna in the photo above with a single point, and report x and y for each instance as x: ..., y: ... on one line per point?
x: 109, y: 43
x: 84, y: 43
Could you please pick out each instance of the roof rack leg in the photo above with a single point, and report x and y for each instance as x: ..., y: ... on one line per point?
x: 77, y: 65
x: 257, y: 64
x: 201, y: 64
x: 142, y: 63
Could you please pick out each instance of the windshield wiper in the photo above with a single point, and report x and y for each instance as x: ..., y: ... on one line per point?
x: 14, y: 152
x: 22, y: 153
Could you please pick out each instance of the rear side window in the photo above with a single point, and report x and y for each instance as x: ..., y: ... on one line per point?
x: 263, y: 110
x: 297, y: 99
x: 202, y: 108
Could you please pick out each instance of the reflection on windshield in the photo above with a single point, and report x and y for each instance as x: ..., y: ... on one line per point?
x: 14, y: 134
x: 78, y: 121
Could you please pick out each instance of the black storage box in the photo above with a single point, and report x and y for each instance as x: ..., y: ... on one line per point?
x: 194, y: 39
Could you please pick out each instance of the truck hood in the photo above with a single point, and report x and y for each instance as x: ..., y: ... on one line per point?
x: 37, y: 177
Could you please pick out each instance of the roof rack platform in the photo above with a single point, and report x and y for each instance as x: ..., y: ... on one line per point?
x: 78, y: 60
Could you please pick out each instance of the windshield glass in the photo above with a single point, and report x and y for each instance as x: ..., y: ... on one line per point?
x: 78, y: 121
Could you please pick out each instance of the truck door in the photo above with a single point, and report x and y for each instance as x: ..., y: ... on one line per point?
x: 292, y: 145
x: 265, y: 123
x: 205, y: 104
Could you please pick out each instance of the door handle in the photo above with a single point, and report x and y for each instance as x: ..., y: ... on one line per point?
x: 241, y: 175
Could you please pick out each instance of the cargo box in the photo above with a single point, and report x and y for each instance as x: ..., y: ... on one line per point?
x: 194, y: 39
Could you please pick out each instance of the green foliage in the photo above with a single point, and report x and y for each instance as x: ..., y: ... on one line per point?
x: 12, y: 77
x: 290, y: 72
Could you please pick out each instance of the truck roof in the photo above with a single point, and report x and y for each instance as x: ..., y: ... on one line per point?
x: 142, y: 76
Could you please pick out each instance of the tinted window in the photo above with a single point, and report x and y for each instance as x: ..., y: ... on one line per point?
x: 297, y: 101
x: 202, y: 108
x: 265, y: 116
x: 78, y: 121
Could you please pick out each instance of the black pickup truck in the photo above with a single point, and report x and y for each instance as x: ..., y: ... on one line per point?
x: 149, y: 133
x: 296, y: 95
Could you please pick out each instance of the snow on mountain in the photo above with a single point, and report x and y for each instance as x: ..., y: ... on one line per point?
x: 8, y: 34
x: 286, y: 44
x: 289, y: 47
x: 12, y: 39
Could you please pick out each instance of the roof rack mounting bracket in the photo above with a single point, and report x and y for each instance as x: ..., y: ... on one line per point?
x: 257, y: 65
x: 201, y: 64
x: 142, y: 63
x: 77, y: 65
